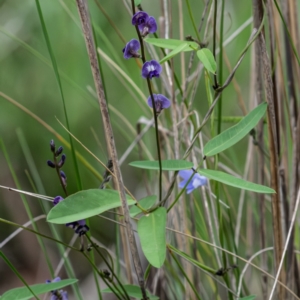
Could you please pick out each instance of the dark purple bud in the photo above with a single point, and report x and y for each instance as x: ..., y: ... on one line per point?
x: 151, y: 69
x: 62, y: 174
x: 63, y: 177
x: 52, y: 145
x: 62, y: 161
x: 149, y: 26
x: 139, y: 18
x: 131, y: 49
x: 59, y: 151
x: 57, y: 199
x: 51, y: 164
x: 160, y: 101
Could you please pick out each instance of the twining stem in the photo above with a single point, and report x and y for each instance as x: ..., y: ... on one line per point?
x: 88, y: 35
x: 153, y: 106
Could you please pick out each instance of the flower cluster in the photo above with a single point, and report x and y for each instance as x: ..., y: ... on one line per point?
x: 58, y: 165
x: 58, y: 295
x: 196, y: 181
x: 80, y: 226
x: 146, y: 24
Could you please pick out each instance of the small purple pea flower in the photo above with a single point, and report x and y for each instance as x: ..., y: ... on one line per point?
x: 139, y: 18
x: 131, y: 49
x: 196, y: 181
x: 160, y: 101
x: 151, y: 69
x: 58, y: 295
x: 80, y: 226
x: 145, y: 23
x: 149, y: 27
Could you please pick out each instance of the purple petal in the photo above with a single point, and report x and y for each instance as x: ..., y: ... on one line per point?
x: 165, y: 102
x: 149, y: 27
x: 131, y: 49
x: 139, y: 18
x: 151, y: 69
x: 196, y: 181
x: 160, y: 101
x: 185, y: 174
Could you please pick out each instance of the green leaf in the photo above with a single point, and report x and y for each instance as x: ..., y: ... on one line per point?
x: 137, y: 2
x: 236, y: 182
x: 234, y: 134
x: 208, y: 60
x: 167, y: 165
x: 152, y: 233
x: 171, y: 44
x: 180, y: 48
x: 85, y: 204
x: 133, y: 291
x: 251, y: 297
x: 23, y: 293
x: 145, y: 203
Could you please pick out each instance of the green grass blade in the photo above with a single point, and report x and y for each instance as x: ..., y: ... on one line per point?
x: 55, y: 68
x: 28, y: 288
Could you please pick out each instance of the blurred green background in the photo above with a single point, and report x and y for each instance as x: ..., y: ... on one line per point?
x: 29, y: 79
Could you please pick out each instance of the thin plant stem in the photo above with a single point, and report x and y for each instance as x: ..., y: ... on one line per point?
x: 153, y: 106
x: 86, y: 26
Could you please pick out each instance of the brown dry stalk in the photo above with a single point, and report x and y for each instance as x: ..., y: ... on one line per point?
x: 88, y: 36
x: 273, y: 138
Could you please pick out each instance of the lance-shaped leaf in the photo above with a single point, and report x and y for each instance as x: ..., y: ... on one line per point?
x: 152, y: 233
x: 235, y: 133
x: 180, y: 48
x: 236, y: 182
x: 23, y: 293
x: 171, y: 43
x: 167, y: 165
x: 208, y: 60
x: 85, y: 204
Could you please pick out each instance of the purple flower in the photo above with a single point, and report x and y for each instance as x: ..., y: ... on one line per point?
x: 160, y: 101
x: 131, y: 49
x: 58, y: 295
x: 196, y: 181
x: 151, y: 69
x: 80, y: 226
x: 145, y: 23
x: 139, y: 18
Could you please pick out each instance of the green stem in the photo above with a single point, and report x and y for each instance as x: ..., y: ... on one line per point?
x: 185, y: 275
